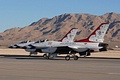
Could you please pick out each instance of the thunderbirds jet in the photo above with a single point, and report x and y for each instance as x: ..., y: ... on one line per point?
x: 69, y: 37
x: 21, y: 44
x: 67, y: 46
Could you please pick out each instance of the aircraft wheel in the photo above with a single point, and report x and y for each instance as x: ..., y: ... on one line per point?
x: 67, y: 58
x: 75, y: 57
x: 45, y: 55
x: 30, y: 54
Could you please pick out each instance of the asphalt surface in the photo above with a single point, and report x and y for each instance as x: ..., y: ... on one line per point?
x: 36, y: 68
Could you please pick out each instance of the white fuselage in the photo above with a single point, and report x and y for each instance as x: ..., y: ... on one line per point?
x: 24, y: 44
x: 21, y: 44
x: 53, y: 46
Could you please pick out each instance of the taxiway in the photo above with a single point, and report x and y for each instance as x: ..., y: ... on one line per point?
x: 37, y: 68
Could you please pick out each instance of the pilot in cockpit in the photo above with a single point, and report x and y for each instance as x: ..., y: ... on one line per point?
x: 24, y: 42
x: 41, y: 40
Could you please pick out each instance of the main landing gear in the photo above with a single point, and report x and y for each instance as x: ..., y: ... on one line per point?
x: 50, y: 56
x: 75, y: 57
x: 45, y: 56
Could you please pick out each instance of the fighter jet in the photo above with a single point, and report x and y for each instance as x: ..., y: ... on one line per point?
x: 69, y: 37
x: 83, y: 47
x: 21, y: 44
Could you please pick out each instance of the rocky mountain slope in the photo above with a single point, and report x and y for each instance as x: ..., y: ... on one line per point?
x: 55, y: 28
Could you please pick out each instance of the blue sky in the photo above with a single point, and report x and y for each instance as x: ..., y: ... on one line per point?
x: 21, y: 13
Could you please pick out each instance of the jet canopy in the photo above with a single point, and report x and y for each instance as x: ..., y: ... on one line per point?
x: 24, y: 42
x: 41, y: 40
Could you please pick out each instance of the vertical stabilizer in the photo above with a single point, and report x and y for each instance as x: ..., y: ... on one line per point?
x: 69, y: 37
x: 97, y: 35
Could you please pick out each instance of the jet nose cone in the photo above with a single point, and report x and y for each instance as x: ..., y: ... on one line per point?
x: 16, y: 46
x: 10, y: 47
x: 24, y: 47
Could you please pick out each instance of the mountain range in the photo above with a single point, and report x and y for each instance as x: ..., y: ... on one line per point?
x: 55, y: 28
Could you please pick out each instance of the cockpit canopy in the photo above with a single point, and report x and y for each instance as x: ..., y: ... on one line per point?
x: 41, y: 40
x: 24, y: 42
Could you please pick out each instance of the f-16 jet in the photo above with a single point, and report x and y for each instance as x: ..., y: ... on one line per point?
x: 21, y: 44
x: 94, y: 42
x: 69, y: 37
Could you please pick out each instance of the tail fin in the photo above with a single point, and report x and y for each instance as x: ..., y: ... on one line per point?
x: 69, y: 37
x: 97, y: 35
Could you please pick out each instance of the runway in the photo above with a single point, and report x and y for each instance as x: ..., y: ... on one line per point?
x: 37, y: 68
